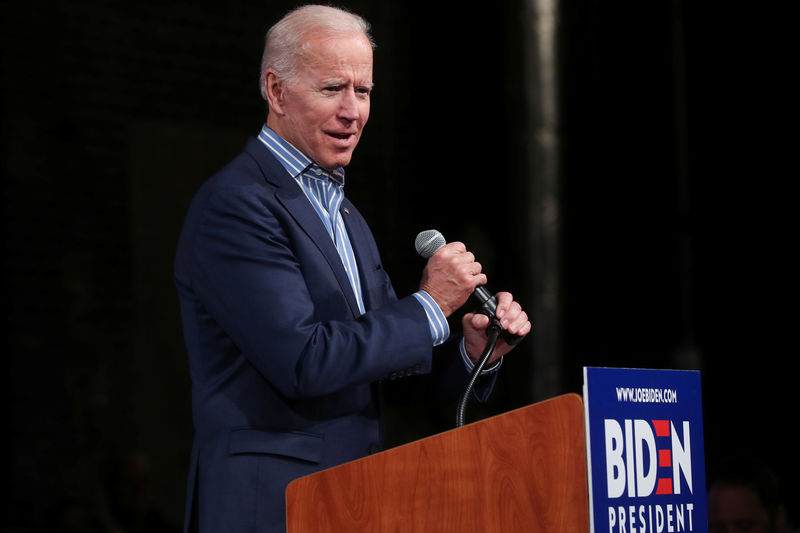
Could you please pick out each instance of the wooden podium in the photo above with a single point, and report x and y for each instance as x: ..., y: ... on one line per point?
x: 522, y: 471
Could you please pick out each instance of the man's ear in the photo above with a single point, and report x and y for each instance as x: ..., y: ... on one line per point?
x: 274, y: 90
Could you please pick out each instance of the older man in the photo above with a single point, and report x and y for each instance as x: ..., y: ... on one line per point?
x: 290, y: 319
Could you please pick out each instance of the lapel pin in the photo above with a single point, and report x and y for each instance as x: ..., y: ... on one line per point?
x: 346, y: 211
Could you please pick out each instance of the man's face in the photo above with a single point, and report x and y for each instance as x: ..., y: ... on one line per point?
x: 735, y: 509
x: 323, y: 110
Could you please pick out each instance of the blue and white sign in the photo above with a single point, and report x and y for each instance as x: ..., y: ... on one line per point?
x: 644, y: 443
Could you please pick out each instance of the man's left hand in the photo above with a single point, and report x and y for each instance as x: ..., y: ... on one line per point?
x: 512, y: 318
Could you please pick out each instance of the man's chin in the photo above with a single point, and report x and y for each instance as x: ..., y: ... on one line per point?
x: 337, y: 161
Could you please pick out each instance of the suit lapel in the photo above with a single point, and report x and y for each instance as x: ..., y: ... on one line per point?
x: 291, y: 196
x: 363, y: 249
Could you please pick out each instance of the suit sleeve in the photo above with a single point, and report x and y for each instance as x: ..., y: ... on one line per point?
x: 266, y: 286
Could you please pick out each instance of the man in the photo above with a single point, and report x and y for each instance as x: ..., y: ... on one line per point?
x: 290, y: 320
x: 744, y: 496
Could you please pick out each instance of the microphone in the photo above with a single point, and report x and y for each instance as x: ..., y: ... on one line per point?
x: 428, y: 243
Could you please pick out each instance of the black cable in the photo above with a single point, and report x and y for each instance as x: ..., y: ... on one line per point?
x: 493, y: 333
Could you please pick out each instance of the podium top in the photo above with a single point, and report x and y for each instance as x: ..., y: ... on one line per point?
x: 521, y: 471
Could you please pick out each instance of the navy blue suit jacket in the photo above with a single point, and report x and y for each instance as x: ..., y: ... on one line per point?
x: 284, y: 370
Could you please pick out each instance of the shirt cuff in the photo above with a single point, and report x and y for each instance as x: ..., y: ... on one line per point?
x: 469, y: 364
x: 440, y: 329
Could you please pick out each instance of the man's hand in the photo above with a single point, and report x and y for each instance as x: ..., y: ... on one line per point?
x: 512, y: 318
x: 451, y: 275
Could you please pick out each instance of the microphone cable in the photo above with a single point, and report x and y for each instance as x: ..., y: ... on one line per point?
x: 493, y: 331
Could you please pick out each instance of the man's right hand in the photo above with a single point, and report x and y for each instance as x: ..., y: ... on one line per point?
x: 451, y: 275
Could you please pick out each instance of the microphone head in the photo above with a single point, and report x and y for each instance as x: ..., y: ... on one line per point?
x: 428, y: 242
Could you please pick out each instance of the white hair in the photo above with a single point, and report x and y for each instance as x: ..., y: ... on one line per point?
x: 285, y: 40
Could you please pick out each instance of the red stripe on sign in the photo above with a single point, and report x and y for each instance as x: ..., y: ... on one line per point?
x: 662, y: 428
x: 664, y: 486
x: 664, y: 458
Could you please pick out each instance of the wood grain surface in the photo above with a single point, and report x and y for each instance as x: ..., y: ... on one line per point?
x: 522, y: 471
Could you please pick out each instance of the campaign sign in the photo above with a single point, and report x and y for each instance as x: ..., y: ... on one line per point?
x: 644, y: 441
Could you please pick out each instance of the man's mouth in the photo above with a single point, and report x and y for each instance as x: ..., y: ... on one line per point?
x: 341, y: 136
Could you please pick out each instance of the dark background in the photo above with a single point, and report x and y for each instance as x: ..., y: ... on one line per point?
x: 674, y: 215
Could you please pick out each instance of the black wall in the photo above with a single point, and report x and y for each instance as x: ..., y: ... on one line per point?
x: 674, y: 216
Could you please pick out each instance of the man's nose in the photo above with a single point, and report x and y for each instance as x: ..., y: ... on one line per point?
x: 348, y: 105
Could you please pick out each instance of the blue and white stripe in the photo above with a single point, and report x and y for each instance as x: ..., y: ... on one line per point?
x: 325, y: 191
x: 440, y: 329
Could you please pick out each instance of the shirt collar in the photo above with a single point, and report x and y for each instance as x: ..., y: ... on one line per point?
x: 294, y: 161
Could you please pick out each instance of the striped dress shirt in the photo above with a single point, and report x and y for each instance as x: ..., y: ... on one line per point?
x: 325, y: 191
